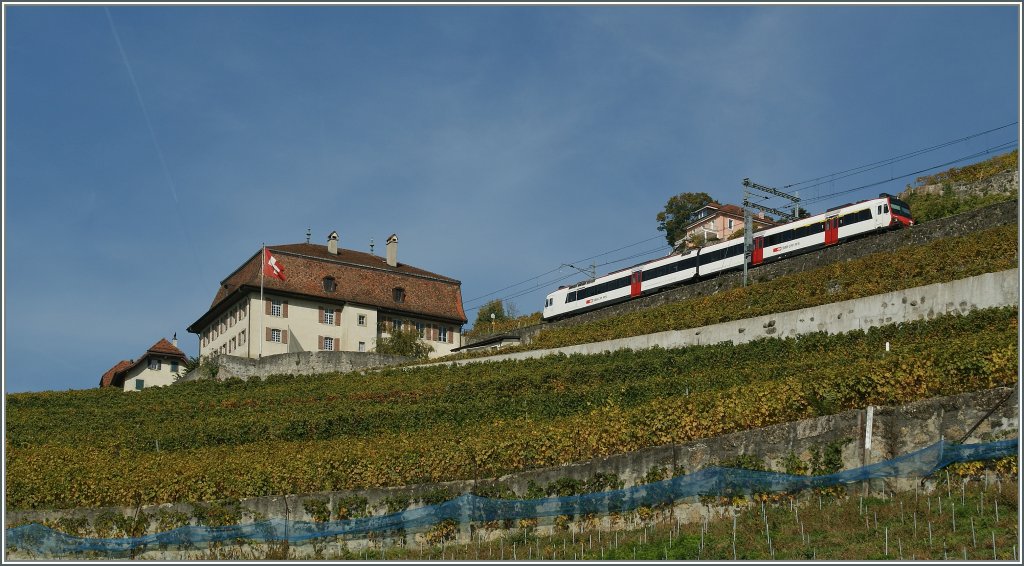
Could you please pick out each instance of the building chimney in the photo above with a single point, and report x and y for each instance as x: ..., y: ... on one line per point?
x: 174, y: 340
x: 332, y: 243
x: 392, y: 247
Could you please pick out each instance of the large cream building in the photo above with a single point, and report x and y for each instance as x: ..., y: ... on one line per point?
x: 331, y: 299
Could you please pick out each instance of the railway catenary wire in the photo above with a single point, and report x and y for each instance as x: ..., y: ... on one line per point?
x: 993, y: 149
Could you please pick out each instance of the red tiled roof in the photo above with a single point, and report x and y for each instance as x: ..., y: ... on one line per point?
x: 166, y: 348
x: 360, y: 277
x: 107, y: 379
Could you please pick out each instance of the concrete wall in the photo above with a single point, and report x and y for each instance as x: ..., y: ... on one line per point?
x: 896, y: 430
x: 956, y: 297
x: 298, y: 363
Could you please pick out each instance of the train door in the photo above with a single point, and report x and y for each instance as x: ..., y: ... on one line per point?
x: 757, y: 256
x: 634, y: 283
x: 831, y: 231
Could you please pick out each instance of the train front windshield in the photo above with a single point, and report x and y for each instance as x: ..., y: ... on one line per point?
x: 900, y: 208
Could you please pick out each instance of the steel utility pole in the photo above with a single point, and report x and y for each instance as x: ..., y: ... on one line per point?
x: 748, y: 225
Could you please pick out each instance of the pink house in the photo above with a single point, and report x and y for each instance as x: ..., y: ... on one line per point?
x: 719, y: 222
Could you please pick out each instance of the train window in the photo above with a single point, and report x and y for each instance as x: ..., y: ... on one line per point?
x: 735, y: 250
x: 886, y: 208
x: 879, y: 209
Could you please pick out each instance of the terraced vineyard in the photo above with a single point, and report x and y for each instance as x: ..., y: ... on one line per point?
x: 940, y: 261
x: 212, y: 440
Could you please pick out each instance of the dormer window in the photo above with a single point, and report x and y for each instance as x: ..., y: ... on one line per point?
x: 330, y: 285
x: 398, y: 294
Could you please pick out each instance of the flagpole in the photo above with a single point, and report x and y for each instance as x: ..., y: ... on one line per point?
x: 263, y: 309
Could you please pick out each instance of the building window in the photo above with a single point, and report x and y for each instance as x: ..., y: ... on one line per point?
x: 139, y: 384
x: 241, y: 338
x: 154, y: 364
x: 328, y: 343
x: 362, y: 346
x: 443, y: 334
x: 241, y: 311
x: 328, y: 316
x: 174, y: 367
x: 275, y: 335
x: 396, y: 325
x: 232, y: 348
x: 330, y: 285
x: 398, y: 294
x: 419, y: 329
x: 361, y: 320
x: 275, y: 308
x: 730, y: 223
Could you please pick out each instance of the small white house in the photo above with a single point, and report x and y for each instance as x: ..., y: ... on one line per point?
x: 156, y: 367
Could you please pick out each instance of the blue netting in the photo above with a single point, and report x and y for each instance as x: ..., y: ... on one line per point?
x: 470, y: 508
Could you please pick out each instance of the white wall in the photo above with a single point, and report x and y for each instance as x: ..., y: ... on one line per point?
x: 242, y: 329
x: 151, y: 377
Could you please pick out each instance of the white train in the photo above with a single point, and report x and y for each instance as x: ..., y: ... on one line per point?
x: 800, y: 236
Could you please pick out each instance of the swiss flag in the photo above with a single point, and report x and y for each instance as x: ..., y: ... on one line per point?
x: 272, y: 267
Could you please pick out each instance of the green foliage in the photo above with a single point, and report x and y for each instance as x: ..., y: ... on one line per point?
x: 191, y: 363
x: 494, y: 491
x: 830, y: 460
x: 218, y: 513
x: 351, y: 507
x: 439, y: 423
x: 404, y: 343
x: 437, y: 496
x: 655, y: 474
x: 395, y: 503
x: 793, y: 465
x: 444, y: 531
x: 509, y: 324
x: 483, y: 316
x: 318, y: 509
x: 74, y: 526
x: 109, y: 524
x: 677, y: 213
x: 928, y: 207
x: 972, y: 173
x: 167, y: 520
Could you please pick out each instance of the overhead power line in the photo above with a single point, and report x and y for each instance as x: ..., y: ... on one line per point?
x: 534, y: 278
x: 895, y: 159
x: 999, y: 147
x: 832, y: 177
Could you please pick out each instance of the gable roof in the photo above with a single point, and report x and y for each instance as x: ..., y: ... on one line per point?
x: 360, y: 278
x: 107, y: 379
x: 114, y: 377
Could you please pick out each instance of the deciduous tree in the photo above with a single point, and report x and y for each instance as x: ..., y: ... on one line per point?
x: 677, y: 213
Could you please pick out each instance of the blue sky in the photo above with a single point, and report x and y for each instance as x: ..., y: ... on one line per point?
x: 150, y: 152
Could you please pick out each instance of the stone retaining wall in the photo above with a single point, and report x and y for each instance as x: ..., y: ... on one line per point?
x: 895, y: 430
